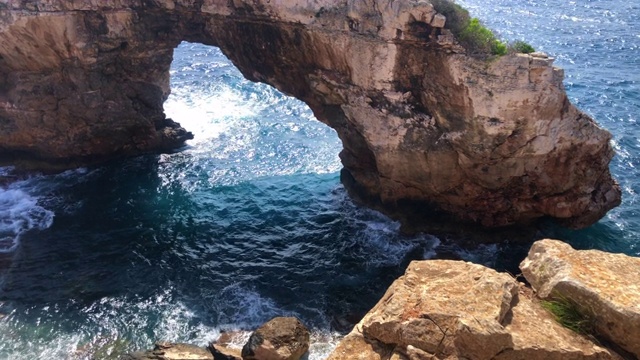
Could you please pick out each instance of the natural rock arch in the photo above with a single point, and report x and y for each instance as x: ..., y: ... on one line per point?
x: 496, y: 142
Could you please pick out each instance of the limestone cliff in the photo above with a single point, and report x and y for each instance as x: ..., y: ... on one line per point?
x: 495, y: 142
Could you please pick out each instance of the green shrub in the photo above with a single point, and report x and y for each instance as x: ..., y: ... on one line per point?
x: 521, y: 47
x: 499, y: 48
x: 477, y: 39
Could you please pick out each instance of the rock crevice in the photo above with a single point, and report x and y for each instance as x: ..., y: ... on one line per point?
x: 495, y: 142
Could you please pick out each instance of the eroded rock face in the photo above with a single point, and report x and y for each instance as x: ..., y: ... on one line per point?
x: 457, y: 310
x: 495, y: 142
x: 603, y: 285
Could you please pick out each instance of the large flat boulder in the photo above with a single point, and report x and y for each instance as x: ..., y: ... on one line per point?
x: 457, y: 310
x: 445, y: 308
x: 602, y: 285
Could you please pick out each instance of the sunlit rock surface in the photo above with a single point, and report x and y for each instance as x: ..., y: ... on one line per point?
x: 443, y: 309
x: 495, y: 142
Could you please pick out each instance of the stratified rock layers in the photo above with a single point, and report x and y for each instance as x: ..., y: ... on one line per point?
x: 496, y: 142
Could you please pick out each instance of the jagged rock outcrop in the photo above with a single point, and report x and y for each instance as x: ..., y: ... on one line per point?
x: 603, y: 286
x: 495, y: 142
x: 458, y: 310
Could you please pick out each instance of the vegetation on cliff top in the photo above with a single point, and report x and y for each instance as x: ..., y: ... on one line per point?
x: 473, y: 35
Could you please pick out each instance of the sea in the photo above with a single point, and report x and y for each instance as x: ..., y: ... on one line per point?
x: 250, y: 221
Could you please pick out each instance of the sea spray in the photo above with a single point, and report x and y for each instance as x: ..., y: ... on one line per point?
x: 19, y: 213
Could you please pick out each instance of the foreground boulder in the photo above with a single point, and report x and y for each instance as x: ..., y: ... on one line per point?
x: 459, y: 310
x: 282, y: 338
x: 604, y: 287
x: 421, y: 122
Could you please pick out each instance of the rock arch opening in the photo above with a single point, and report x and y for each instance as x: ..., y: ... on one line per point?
x: 243, y: 129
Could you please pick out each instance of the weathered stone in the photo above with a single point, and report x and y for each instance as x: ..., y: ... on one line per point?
x: 457, y: 310
x: 491, y: 142
x: 171, y: 351
x: 282, y: 338
x: 604, y: 286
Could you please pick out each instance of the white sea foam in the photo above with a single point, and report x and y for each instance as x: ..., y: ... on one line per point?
x: 19, y: 213
x: 108, y: 328
x: 207, y: 115
x: 244, y: 308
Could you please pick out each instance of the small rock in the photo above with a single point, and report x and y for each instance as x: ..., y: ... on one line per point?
x: 438, y: 21
x: 282, y: 338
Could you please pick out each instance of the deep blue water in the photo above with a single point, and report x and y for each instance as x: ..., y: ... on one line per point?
x: 250, y: 221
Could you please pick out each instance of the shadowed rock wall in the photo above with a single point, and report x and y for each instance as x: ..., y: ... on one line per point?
x: 495, y: 142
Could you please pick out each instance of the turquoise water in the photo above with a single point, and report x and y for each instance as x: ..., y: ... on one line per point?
x: 250, y: 221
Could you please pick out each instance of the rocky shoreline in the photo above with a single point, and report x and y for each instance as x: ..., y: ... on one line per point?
x: 424, y: 125
x: 443, y: 309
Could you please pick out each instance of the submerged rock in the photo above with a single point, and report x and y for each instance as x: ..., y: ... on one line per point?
x: 458, y: 310
x: 603, y: 286
x: 493, y: 142
x: 281, y: 338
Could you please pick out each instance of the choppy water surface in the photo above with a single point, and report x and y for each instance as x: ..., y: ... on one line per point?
x: 250, y: 221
